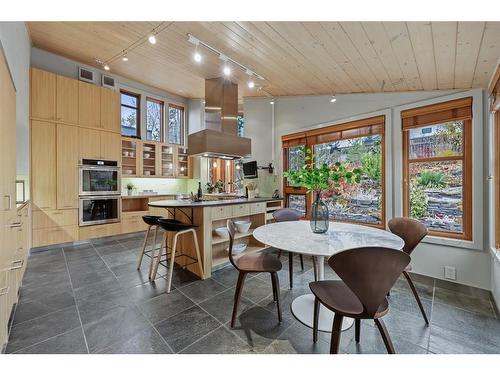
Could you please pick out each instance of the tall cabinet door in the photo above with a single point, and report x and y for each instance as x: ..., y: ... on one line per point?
x: 110, y: 110
x: 43, y: 165
x: 67, y: 100
x: 111, y: 145
x: 89, y: 143
x: 67, y: 166
x: 43, y: 94
x: 89, y: 105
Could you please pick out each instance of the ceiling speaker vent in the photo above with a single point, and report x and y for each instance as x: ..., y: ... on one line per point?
x: 108, y: 82
x: 85, y: 75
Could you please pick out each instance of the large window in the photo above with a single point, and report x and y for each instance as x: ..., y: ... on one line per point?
x: 154, y: 120
x: 130, y: 118
x: 494, y: 92
x: 175, y: 133
x: 437, y: 167
x: 358, y: 144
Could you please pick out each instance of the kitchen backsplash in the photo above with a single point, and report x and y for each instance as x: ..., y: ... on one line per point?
x: 159, y: 185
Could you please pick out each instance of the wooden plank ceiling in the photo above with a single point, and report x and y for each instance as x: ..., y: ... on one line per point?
x: 295, y: 58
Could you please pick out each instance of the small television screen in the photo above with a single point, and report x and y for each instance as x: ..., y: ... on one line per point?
x: 250, y: 169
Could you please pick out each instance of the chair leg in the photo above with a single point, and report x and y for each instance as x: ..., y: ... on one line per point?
x: 415, y: 293
x: 172, y: 261
x: 336, y: 331
x: 198, y: 256
x: 276, y: 287
x: 357, y: 329
x: 385, y: 336
x: 153, y: 252
x: 279, y: 254
x: 301, y: 262
x: 237, y: 295
x: 315, y: 319
x: 144, y: 243
x: 290, y: 268
x: 315, y: 268
x: 153, y: 269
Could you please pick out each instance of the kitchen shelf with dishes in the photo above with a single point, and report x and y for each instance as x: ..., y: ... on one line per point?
x: 152, y: 159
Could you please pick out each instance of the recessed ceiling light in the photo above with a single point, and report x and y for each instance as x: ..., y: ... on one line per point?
x: 333, y: 99
x: 152, y: 39
x: 124, y: 58
x: 106, y: 67
x: 197, y: 57
x: 251, y: 84
x: 227, y: 70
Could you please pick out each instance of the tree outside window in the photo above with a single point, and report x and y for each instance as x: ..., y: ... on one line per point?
x: 130, y: 114
x: 175, y: 124
x: 154, y: 119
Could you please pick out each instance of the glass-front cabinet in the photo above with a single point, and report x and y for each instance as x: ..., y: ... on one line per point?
x: 130, y: 150
x: 167, y: 161
x: 182, y: 163
x: 149, y: 159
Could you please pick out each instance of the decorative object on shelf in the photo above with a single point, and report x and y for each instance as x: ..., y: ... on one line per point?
x: 276, y: 193
x: 200, y: 192
x: 130, y: 188
x: 319, y: 179
x: 210, y: 188
x: 251, y: 188
x: 243, y: 226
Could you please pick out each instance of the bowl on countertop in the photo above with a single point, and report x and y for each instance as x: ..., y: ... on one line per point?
x: 238, y: 248
x: 222, y: 232
x: 242, y: 226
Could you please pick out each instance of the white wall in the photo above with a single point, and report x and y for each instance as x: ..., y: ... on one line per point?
x: 293, y: 114
x: 16, y: 44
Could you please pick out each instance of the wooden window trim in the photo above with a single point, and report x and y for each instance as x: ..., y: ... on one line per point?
x: 183, y: 125
x: 310, y: 139
x: 137, y: 109
x: 466, y: 156
x: 494, y: 92
x: 162, y: 118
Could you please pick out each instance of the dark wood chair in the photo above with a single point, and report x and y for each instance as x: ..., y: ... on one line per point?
x: 366, y: 274
x: 253, y: 263
x: 291, y: 214
x: 412, y: 232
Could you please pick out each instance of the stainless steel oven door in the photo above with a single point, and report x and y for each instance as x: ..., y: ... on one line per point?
x: 99, y: 209
x: 96, y: 180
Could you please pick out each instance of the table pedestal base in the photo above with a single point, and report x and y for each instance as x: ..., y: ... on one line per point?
x: 303, y: 310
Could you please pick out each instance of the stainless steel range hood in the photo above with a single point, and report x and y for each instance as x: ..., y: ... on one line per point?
x: 219, y: 139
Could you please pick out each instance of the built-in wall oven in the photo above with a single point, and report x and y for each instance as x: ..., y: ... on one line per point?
x: 100, y: 192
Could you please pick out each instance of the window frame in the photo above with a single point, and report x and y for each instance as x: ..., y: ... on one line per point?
x: 310, y: 139
x: 137, y: 109
x: 183, y: 125
x: 435, y: 114
x: 162, y: 119
x: 494, y: 93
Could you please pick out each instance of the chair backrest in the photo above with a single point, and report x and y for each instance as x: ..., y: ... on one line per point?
x: 287, y: 214
x: 410, y: 230
x: 231, y: 228
x: 370, y: 273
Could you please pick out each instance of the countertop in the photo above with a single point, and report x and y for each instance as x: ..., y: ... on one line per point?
x: 137, y: 196
x: 227, y: 202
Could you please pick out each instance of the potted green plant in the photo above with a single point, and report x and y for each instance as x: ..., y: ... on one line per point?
x: 219, y: 186
x: 210, y: 188
x: 318, y: 179
x: 130, y: 188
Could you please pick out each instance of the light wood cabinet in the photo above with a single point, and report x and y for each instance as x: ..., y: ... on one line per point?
x: 67, y: 166
x: 89, y: 105
x: 43, y: 165
x: 132, y: 222
x: 89, y: 143
x: 67, y: 100
x: 96, y: 231
x: 43, y: 94
x: 111, y: 145
x: 110, y: 110
x: 54, y: 218
x: 49, y: 236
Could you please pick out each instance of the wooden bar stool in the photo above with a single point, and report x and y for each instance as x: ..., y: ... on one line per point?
x: 177, y: 229
x: 152, y: 222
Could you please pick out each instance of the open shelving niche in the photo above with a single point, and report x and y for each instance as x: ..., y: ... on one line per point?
x: 220, y: 256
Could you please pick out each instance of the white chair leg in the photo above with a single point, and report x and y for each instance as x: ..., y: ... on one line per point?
x: 143, y: 248
x: 198, y: 256
x: 172, y: 261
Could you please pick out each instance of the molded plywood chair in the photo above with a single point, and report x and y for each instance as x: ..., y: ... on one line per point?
x: 291, y: 214
x: 253, y: 263
x: 412, y: 232
x: 367, y: 274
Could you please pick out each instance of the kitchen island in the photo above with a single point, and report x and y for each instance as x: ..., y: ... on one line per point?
x: 212, y: 214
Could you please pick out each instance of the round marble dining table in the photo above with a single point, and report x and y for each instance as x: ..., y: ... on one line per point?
x: 297, y: 237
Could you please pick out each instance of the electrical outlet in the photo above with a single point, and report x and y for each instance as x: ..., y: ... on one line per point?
x: 450, y: 273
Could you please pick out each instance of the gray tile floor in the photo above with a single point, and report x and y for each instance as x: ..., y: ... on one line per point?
x: 90, y: 299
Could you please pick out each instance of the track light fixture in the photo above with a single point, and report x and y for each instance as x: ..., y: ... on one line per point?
x: 226, y: 70
x: 152, y: 39
x: 333, y: 99
x: 106, y: 67
x: 124, y: 58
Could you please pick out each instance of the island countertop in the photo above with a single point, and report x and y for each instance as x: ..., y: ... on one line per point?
x: 223, y: 202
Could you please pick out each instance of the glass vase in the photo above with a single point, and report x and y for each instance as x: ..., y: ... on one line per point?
x: 319, y: 219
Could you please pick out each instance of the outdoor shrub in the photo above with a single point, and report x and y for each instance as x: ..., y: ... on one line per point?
x: 418, y: 202
x: 432, y: 179
x: 371, y: 164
